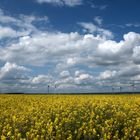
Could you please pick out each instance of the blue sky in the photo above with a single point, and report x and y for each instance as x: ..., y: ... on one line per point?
x: 71, y: 45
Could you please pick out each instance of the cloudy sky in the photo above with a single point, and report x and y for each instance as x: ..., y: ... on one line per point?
x: 70, y: 45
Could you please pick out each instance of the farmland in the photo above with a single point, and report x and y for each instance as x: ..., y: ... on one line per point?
x: 69, y: 117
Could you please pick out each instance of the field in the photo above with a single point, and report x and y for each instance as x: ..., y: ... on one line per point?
x: 69, y: 117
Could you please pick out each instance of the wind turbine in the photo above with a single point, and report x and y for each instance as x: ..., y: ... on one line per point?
x: 48, y: 89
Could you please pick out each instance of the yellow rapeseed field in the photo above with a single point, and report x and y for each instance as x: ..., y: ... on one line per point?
x: 70, y: 117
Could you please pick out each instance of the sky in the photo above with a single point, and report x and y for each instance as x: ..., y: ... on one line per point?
x: 70, y: 45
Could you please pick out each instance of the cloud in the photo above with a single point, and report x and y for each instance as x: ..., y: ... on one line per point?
x: 12, y: 71
x: 100, y: 7
x: 90, y: 27
x: 38, y: 50
x: 94, y: 29
x: 17, y: 78
x: 73, y: 80
x: 23, y: 25
x: 132, y: 25
x: 98, y: 20
x: 129, y: 71
x: 127, y: 25
x: 107, y: 74
x: 41, y: 79
x: 65, y: 74
x: 32, y: 18
x: 122, y: 73
x: 70, y: 58
x: 71, y: 61
x: 83, y: 78
x: 136, y: 54
x: 5, y: 18
x: 6, y: 32
x: 109, y: 47
x: 119, y: 52
x: 41, y: 49
x: 70, y: 3
x: 22, y: 22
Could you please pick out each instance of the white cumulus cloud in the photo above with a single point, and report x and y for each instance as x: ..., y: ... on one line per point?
x: 12, y: 70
